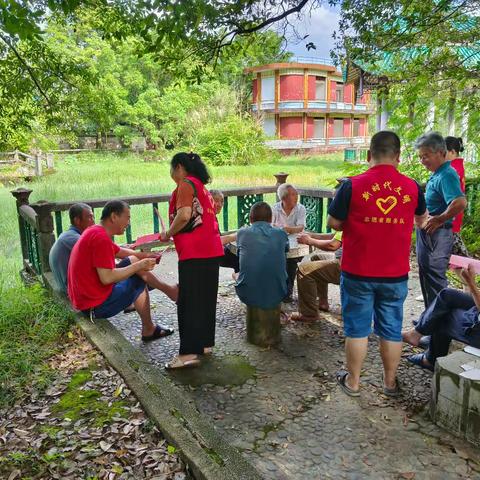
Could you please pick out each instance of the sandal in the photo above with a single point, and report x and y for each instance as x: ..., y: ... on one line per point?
x: 341, y: 378
x: 177, y: 363
x: 392, y: 392
x: 159, y: 332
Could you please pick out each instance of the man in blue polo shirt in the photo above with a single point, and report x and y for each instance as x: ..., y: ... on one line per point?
x: 81, y: 217
x: 261, y: 250
x: 445, y: 200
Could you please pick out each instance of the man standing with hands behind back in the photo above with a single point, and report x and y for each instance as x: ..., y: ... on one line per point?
x: 376, y: 211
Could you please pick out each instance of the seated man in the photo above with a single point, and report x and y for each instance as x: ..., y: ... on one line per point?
x: 229, y: 260
x: 98, y: 287
x: 289, y: 215
x: 81, y: 217
x: 452, y: 315
x: 313, y: 277
x: 261, y: 249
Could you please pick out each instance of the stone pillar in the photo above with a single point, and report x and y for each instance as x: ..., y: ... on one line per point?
x: 38, y: 164
x: 49, y: 160
x: 21, y: 196
x: 263, y: 326
x: 46, y: 237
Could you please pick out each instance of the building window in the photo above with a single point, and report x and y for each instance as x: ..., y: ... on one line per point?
x: 318, y: 128
x: 268, y: 89
x: 339, y: 93
x: 356, y: 127
x: 338, y: 127
x: 269, y: 126
x: 320, y: 88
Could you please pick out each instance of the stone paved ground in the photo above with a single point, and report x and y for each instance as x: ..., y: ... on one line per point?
x: 283, y: 409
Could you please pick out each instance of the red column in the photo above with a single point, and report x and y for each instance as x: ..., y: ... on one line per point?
x: 346, y: 128
x: 361, y: 127
x: 333, y: 91
x: 347, y: 93
x: 330, y: 127
x: 291, y: 87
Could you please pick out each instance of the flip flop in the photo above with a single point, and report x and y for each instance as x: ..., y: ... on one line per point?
x: 418, y: 361
x: 160, y: 332
x: 392, y: 392
x: 341, y: 378
x: 176, y: 363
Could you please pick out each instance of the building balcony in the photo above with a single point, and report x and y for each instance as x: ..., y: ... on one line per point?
x: 334, y: 142
x: 313, y: 106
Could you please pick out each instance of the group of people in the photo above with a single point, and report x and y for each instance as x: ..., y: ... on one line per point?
x: 372, y: 214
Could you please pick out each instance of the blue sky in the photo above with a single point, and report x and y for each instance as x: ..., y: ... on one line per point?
x: 320, y: 25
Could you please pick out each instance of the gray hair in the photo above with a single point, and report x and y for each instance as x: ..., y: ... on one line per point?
x: 216, y: 193
x: 282, y: 190
x: 432, y: 140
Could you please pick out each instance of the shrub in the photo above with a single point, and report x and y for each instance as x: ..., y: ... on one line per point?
x: 237, y: 140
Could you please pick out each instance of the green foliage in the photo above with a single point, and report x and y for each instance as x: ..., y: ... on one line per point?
x: 31, y: 327
x: 236, y: 141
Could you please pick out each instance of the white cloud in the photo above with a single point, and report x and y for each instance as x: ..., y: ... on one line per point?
x: 319, y: 24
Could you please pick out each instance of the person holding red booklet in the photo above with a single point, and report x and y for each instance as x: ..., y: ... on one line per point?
x: 195, y: 232
x: 100, y: 288
x: 454, y: 148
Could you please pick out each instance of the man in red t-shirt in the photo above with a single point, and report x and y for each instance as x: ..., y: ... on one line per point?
x: 101, y: 289
x: 376, y: 212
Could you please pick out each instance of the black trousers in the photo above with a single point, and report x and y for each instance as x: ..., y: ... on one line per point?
x: 292, y: 264
x: 230, y: 260
x: 197, y: 303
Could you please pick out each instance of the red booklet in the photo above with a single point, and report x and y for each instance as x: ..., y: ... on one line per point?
x: 151, y: 237
x: 456, y: 261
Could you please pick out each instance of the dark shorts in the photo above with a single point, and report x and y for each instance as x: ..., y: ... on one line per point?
x: 124, y: 293
x: 365, y: 302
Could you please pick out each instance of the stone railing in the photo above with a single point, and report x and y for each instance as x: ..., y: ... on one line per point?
x: 40, y: 223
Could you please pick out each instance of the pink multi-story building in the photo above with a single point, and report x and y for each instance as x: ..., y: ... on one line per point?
x: 304, y: 104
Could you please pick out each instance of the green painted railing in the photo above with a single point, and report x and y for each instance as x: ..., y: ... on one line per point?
x: 40, y: 223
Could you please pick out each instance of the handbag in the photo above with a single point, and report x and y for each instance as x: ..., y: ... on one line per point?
x: 197, y: 211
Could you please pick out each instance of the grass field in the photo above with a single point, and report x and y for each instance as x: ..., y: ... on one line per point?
x: 90, y: 176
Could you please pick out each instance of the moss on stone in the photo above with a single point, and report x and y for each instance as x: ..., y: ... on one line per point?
x: 78, y: 402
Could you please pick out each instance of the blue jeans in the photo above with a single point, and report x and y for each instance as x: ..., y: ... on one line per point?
x: 366, y: 301
x: 452, y: 315
x: 433, y: 255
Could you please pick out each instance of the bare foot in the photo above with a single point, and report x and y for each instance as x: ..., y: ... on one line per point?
x: 207, y: 350
x: 412, y: 337
x: 235, y: 276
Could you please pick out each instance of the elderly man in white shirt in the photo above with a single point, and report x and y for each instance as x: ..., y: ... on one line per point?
x: 289, y: 215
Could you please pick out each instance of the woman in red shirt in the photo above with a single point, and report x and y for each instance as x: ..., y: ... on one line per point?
x: 454, y: 148
x: 195, y: 232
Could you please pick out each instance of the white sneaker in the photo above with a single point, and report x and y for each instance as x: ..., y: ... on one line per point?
x: 419, y: 298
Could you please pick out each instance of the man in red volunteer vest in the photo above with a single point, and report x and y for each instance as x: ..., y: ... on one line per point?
x: 376, y: 211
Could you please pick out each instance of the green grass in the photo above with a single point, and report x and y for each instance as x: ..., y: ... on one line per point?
x: 32, y: 325
x: 90, y: 176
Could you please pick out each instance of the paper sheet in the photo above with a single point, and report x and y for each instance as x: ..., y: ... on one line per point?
x: 458, y: 261
x: 473, y: 374
x: 472, y: 350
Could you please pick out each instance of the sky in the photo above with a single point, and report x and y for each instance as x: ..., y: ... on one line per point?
x: 320, y: 25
